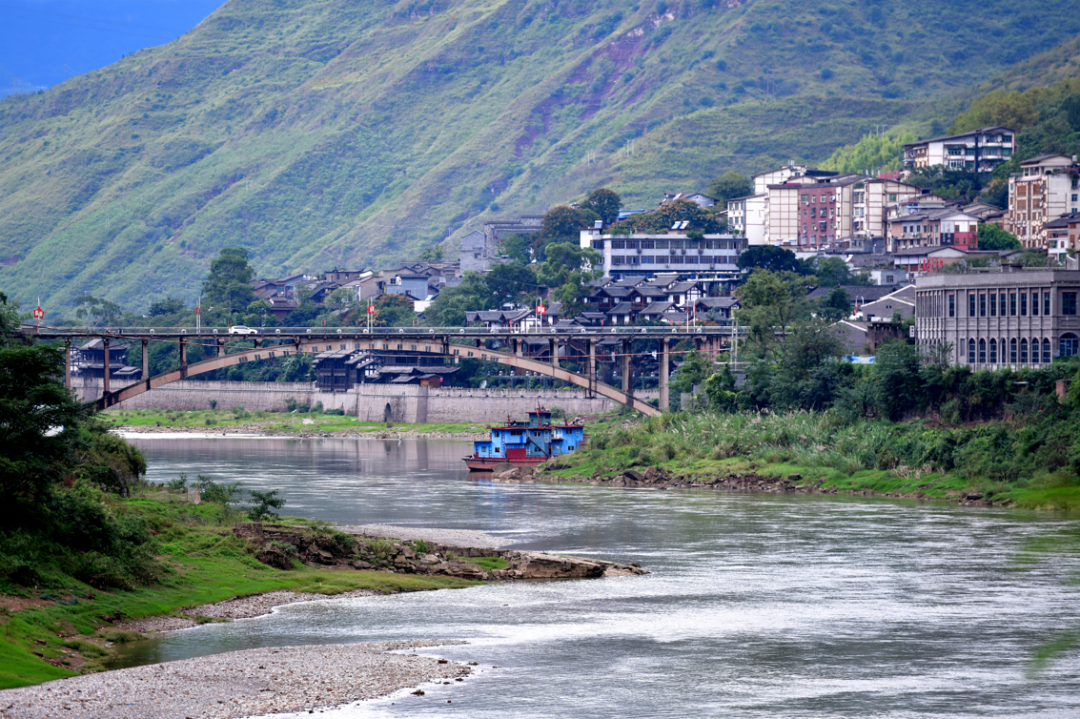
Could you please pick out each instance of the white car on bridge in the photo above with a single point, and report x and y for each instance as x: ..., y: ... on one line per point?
x: 243, y: 330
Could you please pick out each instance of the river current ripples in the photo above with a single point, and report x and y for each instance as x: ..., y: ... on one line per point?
x: 757, y: 605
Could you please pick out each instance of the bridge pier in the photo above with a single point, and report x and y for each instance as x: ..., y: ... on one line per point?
x: 67, y: 363
x: 183, y: 357
x: 627, y: 382
x: 553, y: 348
x: 105, y: 374
x: 592, y: 367
x: 146, y: 359
x: 665, y: 404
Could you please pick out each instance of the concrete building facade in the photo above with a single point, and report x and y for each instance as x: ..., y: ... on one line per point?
x: 999, y: 319
x: 648, y: 254
x: 975, y: 151
x: 1046, y: 188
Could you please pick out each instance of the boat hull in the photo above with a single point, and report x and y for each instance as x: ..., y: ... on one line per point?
x: 487, y: 464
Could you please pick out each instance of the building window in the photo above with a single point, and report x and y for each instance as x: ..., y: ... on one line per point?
x: 1012, y: 351
x: 993, y: 351
x: 1068, y: 303
x: 1023, y: 304
x: 1067, y: 345
x: 1046, y: 304
x: 1001, y: 297
x: 1035, y: 304
x: 982, y: 351
x: 982, y: 304
x: 952, y: 305
x: 1035, y: 351
x: 971, y: 351
x: 993, y: 305
x: 1012, y: 304
x: 971, y: 304
x: 1046, y: 352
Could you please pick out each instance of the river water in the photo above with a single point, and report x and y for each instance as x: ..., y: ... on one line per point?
x: 757, y: 605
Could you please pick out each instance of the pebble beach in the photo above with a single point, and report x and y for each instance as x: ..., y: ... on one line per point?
x: 237, y: 684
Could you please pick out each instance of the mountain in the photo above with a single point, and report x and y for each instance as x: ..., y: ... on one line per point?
x: 324, y: 133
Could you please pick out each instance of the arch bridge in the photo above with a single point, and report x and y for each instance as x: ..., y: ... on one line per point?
x: 459, y: 343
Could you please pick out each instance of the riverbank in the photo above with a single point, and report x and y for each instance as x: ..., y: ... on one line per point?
x: 56, y: 625
x: 993, y: 464
x: 238, y: 684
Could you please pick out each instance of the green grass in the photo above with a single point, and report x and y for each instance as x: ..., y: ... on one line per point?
x: 274, y: 421
x: 823, y: 450
x: 205, y: 564
x: 490, y: 563
x: 357, y: 133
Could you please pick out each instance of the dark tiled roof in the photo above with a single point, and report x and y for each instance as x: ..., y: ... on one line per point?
x: 657, y: 308
x: 623, y: 308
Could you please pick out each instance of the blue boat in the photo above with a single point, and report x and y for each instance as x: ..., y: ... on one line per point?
x: 525, y: 444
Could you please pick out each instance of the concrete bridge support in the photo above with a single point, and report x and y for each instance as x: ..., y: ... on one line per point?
x: 592, y: 366
x: 105, y: 374
x: 665, y: 403
x: 627, y: 380
x: 67, y: 363
x: 146, y: 359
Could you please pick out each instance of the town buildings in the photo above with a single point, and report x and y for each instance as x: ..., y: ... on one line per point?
x: 976, y: 151
x: 707, y: 257
x: 1046, y: 188
x: 997, y: 319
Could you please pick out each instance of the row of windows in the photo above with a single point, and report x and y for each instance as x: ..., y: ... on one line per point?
x: 814, y: 213
x: 672, y: 259
x: 814, y: 198
x: 669, y: 244
x: 1012, y: 304
x: 1020, y: 352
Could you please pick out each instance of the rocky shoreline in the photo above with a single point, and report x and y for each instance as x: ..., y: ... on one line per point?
x: 239, y: 684
x: 656, y: 478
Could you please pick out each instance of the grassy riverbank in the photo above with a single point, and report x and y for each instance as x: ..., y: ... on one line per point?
x: 196, y: 560
x: 1026, y: 461
x: 277, y: 422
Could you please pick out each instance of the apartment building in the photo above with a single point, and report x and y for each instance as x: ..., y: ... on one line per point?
x: 947, y: 227
x: 708, y: 257
x: 1046, y: 188
x: 997, y: 319
x: 976, y: 151
x: 874, y: 201
x: 746, y: 217
x: 812, y: 213
x: 1063, y: 234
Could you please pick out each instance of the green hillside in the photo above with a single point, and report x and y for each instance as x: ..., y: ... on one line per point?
x: 347, y: 132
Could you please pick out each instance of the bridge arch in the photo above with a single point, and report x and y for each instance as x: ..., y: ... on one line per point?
x: 222, y: 361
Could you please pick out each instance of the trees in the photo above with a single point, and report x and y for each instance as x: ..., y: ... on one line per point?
x: 771, y: 302
x: 449, y: 308
x: 833, y: 272
x: 604, y: 203
x: 516, y: 247
x: 227, y: 288
x: 729, y: 186
x: 836, y: 306
x: 560, y: 224
x: 167, y: 306
x: 96, y: 310
x: 768, y: 257
x: 662, y: 219
x: 393, y: 311
x: 568, y: 270
x: 510, y: 280
x: 992, y: 237
x: 432, y: 253
x: 871, y: 153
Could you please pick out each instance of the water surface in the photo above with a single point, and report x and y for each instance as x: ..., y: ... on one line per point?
x: 758, y: 605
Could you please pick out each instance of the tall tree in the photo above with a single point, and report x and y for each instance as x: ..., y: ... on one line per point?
x: 98, y: 311
x: 729, y: 186
x: 568, y: 271
x: 605, y: 203
x: 992, y: 237
x: 771, y: 303
x: 228, y: 287
x: 449, y: 308
x: 661, y: 219
x: 767, y: 257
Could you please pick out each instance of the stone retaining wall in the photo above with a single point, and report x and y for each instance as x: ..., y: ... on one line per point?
x: 370, y: 403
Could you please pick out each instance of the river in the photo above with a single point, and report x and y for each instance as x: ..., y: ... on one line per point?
x: 757, y: 605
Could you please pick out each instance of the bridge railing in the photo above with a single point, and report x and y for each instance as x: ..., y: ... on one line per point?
x: 381, y: 331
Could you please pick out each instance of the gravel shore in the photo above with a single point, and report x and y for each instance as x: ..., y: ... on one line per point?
x: 236, y: 684
x: 448, y: 537
x: 239, y: 608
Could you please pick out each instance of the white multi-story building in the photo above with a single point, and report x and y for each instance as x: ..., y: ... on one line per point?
x: 1046, y: 188
x: 705, y: 257
x: 746, y: 217
x: 975, y: 151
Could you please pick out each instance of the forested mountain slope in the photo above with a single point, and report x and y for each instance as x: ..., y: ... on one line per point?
x: 346, y: 132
